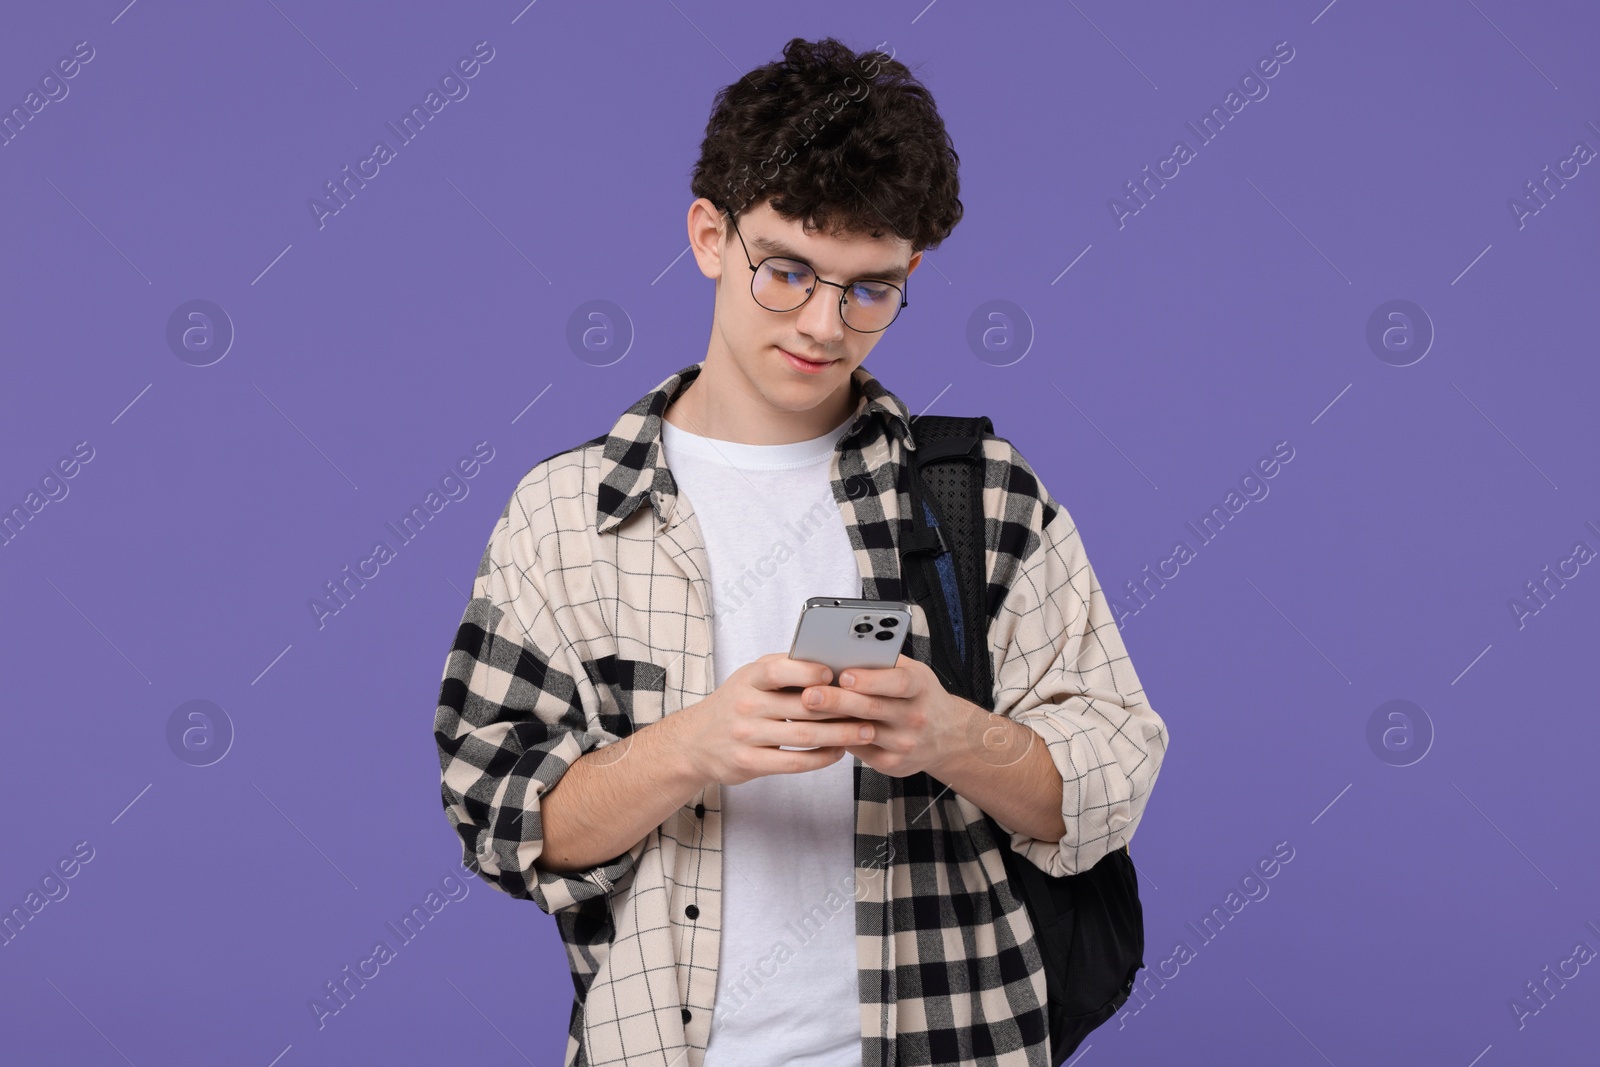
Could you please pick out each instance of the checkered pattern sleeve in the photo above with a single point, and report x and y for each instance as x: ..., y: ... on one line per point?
x: 515, y: 710
x: 1061, y: 670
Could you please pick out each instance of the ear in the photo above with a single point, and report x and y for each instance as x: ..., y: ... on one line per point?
x: 708, y: 234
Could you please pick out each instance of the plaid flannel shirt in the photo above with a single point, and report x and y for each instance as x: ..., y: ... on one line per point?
x: 590, y: 618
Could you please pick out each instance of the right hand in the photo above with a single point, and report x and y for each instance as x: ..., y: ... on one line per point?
x: 733, y: 735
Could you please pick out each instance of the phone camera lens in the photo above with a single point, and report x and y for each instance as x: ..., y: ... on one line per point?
x: 885, y: 635
x: 863, y: 627
x: 889, y: 620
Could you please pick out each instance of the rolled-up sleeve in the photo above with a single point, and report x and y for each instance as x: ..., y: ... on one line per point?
x: 515, y: 711
x: 1061, y: 670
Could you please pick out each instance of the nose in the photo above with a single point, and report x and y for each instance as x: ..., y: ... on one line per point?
x: 821, y: 316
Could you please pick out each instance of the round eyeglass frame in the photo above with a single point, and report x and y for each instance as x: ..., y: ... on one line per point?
x: 844, y: 290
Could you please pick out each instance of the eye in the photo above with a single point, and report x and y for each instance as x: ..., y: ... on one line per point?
x: 869, y: 293
x: 790, y: 272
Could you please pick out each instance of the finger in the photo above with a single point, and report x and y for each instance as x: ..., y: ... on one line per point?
x: 821, y: 757
x: 896, y: 681
x: 783, y: 761
x: 843, y: 703
x: 804, y: 734
x: 874, y: 679
x: 864, y: 679
x: 782, y: 672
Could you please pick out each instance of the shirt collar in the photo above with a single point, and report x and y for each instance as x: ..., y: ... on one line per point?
x: 631, y: 468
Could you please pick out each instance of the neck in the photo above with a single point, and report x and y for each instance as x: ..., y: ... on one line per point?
x: 727, y: 406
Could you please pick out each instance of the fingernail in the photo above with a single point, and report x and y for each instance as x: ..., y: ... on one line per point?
x: 866, y: 733
x: 813, y: 697
x: 847, y: 678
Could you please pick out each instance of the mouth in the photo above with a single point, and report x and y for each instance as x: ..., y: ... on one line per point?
x: 806, y: 366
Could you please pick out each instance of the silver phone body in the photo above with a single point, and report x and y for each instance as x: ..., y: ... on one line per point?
x: 842, y: 632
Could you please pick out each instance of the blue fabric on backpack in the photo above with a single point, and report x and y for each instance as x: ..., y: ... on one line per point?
x: 947, y: 582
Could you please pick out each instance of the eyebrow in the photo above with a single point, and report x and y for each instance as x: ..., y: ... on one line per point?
x: 778, y: 248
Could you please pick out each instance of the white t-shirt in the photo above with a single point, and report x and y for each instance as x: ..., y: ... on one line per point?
x: 786, y: 978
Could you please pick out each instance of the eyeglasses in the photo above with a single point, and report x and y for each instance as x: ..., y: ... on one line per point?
x: 782, y: 284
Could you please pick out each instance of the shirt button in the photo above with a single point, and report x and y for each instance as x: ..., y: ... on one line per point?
x: 700, y: 811
x: 692, y: 911
x: 687, y: 1014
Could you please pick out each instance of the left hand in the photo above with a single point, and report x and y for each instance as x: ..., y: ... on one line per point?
x: 916, y: 723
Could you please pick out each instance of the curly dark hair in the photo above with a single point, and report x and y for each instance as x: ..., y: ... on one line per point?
x: 848, y: 143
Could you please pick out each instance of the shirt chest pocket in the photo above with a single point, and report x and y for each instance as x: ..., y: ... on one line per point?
x: 632, y: 693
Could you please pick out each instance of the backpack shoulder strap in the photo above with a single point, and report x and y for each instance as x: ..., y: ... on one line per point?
x: 944, y: 558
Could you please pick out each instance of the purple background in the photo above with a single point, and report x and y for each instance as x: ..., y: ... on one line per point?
x: 370, y: 354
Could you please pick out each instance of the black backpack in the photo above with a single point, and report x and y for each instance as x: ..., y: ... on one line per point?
x: 1089, y: 926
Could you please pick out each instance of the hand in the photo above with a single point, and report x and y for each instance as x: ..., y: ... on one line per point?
x: 919, y: 724
x: 733, y: 735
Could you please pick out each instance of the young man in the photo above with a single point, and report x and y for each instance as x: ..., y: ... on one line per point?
x: 741, y: 876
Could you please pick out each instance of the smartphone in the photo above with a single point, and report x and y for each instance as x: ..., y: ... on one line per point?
x: 841, y: 632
